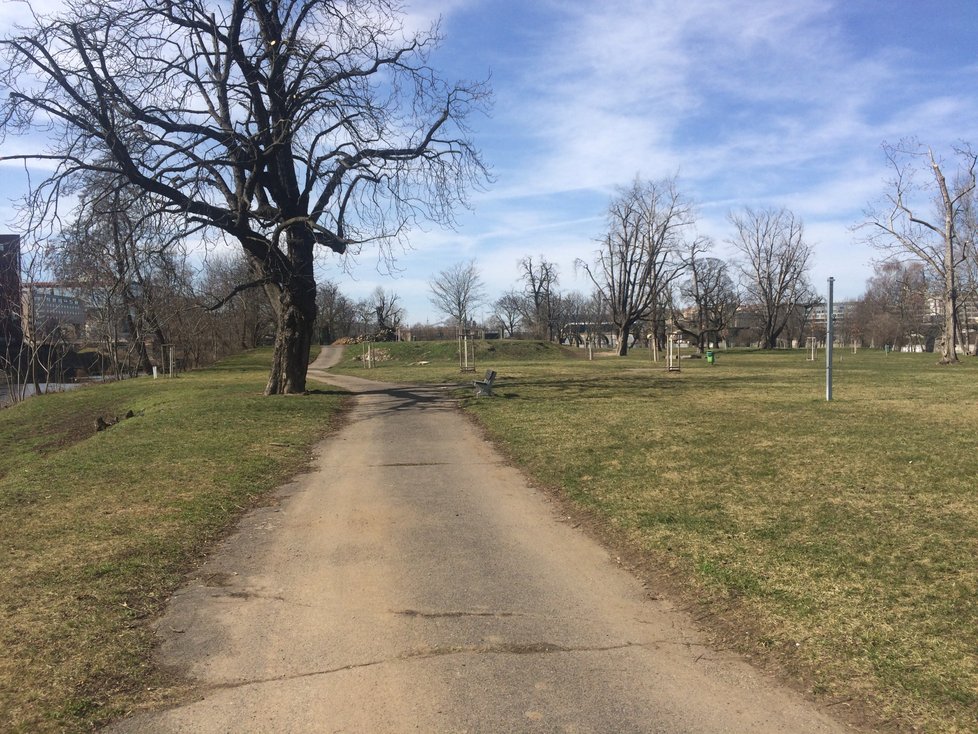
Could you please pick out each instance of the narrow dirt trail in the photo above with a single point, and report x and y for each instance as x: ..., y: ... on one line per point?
x: 415, y: 583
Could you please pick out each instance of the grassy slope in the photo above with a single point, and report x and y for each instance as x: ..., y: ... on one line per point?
x: 98, y: 528
x: 839, y: 538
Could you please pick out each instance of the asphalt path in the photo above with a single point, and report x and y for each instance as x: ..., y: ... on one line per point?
x: 413, y: 582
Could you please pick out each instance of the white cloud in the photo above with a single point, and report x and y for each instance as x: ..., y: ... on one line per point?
x: 759, y: 103
x: 752, y: 102
x: 709, y: 88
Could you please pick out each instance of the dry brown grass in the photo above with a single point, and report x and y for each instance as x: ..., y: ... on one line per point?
x: 835, y: 539
x: 98, y: 528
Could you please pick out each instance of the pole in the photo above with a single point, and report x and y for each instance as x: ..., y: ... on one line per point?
x: 829, y: 337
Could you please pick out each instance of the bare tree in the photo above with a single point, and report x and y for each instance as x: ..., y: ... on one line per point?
x: 242, y: 321
x: 11, y: 335
x: 285, y: 125
x: 118, y: 248
x: 968, y: 300
x: 192, y: 319
x: 712, y: 296
x: 584, y: 318
x: 639, y: 256
x: 563, y: 313
x: 457, y: 291
x: 337, y: 314
x: 774, y: 268
x: 509, y: 311
x: 386, y: 306
x: 540, y: 281
x: 967, y: 279
x: 800, y: 320
x: 570, y: 317
x: 893, y: 310
x: 901, y: 225
x: 364, y: 318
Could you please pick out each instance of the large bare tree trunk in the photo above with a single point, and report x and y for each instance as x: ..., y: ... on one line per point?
x: 293, y: 338
x: 294, y: 302
x: 950, y: 351
x: 623, y: 333
x: 949, y: 344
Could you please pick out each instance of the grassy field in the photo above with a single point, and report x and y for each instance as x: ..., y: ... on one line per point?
x: 97, y: 529
x: 837, y: 541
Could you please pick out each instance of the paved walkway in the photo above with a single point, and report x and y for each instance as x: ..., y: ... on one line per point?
x: 415, y: 583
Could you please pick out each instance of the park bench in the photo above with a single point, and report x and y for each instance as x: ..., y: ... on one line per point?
x: 484, y: 387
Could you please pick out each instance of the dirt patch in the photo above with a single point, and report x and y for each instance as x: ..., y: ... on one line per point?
x: 70, y: 429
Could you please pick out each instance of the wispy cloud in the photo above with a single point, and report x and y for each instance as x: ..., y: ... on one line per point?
x: 703, y: 87
x: 752, y: 102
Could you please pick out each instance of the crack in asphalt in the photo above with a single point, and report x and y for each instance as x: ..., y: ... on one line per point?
x: 438, y: 615
x: 414, y: 463
x: 248, y: 595
x: 504, y: 648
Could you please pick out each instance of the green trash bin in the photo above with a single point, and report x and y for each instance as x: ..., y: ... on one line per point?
x: 710, y: 357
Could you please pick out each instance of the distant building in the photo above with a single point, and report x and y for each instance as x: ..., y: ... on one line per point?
x: 840, y: 309
x: 9, y: 291
x: 50, y: 306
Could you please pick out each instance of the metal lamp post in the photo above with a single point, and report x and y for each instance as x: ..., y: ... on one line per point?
x: 829, y: 338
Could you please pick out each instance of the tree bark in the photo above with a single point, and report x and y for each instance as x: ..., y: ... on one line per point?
x: 293, y: 297
x: 949, y: 351
x: 623, y: 333
x: 293, y: 339
x: 950, y: 355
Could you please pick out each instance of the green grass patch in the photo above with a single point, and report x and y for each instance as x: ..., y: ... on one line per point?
x: 97, y: 529
x: 840, y: 537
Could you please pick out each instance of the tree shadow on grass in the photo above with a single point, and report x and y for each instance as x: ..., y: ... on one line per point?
x: 596, y: 389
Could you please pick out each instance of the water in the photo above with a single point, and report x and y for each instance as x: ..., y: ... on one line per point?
x: 28, y: 391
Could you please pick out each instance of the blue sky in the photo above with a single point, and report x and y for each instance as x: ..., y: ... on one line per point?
x: 751, y: 102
